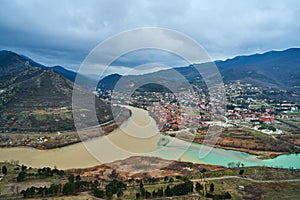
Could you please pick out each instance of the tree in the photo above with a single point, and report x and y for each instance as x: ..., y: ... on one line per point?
x: 147, y: 194
x: 69, y: 188
x: 71, y: 178
x: 98, y: 193
x: 231, y: 165
x: 4, y: 170
x: 23, y: 167
x: 160, y: 192
x: 241, y: 172
x: 154, y: 194
x: 212, y: 187
x: 77, y: 178
x: 141, y: 184
x: 21, y: 176
x: 202, y: 174
x: 108, y: 193
x: 168, y: 192
x: 114, y: 187
x: 166, y: 178
x: 142, y: 189
x: 198, y: 187
x: 78, y: 183
x: 95, y: 184
x: 120, y: 194
x: 183, y: 188
x: 55, y: 188
x: 137, y: 195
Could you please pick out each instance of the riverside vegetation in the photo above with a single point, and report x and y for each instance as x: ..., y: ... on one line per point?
x: 236, y: 182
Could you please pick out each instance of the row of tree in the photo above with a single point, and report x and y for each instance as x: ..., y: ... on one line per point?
x: 146, y: 194
x: 43, y: 173
x: 54, y: 189
x: 4, y: 169
x: 76, y: 185
x: 233, y: 165
x: 73, y: 186
x: 176, y: 190
x: 115, y: 187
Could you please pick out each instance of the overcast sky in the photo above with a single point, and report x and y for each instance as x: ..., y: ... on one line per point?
x: 63, y: 33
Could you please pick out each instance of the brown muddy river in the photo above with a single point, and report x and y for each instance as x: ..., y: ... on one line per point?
x: 139, y: 135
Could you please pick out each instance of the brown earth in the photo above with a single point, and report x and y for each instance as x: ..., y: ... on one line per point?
x: 247, y: 141
x: 138, y: 167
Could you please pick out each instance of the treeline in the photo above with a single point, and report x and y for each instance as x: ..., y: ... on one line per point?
x: 54, y: 189
x: 176, y: 190
x: 116, y: 188
x: 180, y: 189
x: 42, y: 173
x: 74, y: 186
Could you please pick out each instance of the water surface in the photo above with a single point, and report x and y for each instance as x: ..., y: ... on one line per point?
x: 137, y: 136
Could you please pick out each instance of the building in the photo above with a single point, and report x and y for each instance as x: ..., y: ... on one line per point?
x: 266, y: 119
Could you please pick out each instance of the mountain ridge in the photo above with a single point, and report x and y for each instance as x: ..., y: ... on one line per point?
x: 276, y: 69
x: 35, y: 98
x: 21, y: 62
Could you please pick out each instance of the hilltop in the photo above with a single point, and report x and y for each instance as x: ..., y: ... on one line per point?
x: 36, y: 98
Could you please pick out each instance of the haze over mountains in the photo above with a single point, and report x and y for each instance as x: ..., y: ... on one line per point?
x: 274, y: 69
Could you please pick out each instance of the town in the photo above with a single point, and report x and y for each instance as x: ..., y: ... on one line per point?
x: 246, y: 106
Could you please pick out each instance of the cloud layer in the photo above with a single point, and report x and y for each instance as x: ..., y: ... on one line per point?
x: 64, y: 32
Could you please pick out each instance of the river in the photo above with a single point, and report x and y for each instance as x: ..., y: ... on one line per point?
x: 138, y: 136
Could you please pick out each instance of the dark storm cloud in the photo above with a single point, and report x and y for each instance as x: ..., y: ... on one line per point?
x: 64, y: 32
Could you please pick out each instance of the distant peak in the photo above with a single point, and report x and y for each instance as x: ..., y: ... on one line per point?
x: 115, y: 74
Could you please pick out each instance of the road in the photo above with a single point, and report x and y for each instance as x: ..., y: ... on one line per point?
x: 230, y: 177
x: 249, y: 179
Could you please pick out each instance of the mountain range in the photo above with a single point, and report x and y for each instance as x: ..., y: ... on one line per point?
x: 274, y: 69
x: 32, y: 95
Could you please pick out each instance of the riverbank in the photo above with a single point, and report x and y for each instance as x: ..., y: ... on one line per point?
x: 260, y: 154
x: 243, y: 140
x: 45, y: 141
x: 135, y: 136
x: 139, y: 135
x: 231, y: 139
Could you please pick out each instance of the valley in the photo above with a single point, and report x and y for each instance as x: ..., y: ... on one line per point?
x: 156, y: 100
x: 170, y: 129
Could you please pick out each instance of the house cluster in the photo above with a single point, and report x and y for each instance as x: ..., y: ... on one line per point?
x: 190, y: 109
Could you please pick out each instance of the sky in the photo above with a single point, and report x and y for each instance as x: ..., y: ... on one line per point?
x: 62, y: 32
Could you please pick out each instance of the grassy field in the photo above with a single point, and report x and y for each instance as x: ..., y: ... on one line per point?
x: 254, y: 191
x: 10, y: 186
